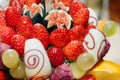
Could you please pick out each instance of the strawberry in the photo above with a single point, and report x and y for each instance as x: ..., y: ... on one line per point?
x: 88, y: 27
x: 12, y: 17
x: 2, y: 75
x: 17, y: 4
x: 2, y: 14
x: 24, y: 26
x: 38, y: 1
x: 73, y: 49
x: 18, y: 43
x: 88, y: 77
x: 77, y: 32
x: 40, y: 32
x: 66, y: 2
x: 2, y: 23
x: 79, y: 13
x: 81, y: 17
x: 76, y: 6
x: 6, y: 34
x: 59, y: 37
x: 2, y: 18
x: 29, y: 2
x: 56, y: 56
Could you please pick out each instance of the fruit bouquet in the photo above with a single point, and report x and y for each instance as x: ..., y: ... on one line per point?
x: 62, y: 43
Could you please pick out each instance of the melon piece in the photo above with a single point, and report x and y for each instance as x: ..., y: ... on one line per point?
x: 58, y: 19
x: 36, y: 12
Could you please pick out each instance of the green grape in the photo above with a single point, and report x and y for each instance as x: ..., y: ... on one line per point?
x: 85, y: 61
x: 110, y: 28
x: 77, y: 73
x: 10, y: 58
x: 19, y: 72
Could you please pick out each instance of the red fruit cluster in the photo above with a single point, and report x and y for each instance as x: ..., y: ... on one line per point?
x: 71, y: 41
x: 23, y: 30
x: 15, y: 28
x: 60, y: 43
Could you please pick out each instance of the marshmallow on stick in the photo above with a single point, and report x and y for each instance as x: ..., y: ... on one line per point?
x: 37, y: 64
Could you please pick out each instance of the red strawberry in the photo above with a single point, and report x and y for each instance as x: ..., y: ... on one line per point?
x: 24, y: 26
x: 2, y: 14
x: 2, y: 23
x: 81, y: 17
x: 29, y: 2
x: 2, y: 75
x: 56, y: 56
x: 18, y: 43
x: 12, y: 17
x: 88, y: 77
x: 79, y: 13
x: 17, y: 4
x: 88, y: 27
x: 2, y: 18
x: 77, y: 32
x: 59, y: 37
x: 73, y: 49
x: 76, y: 6
x: 6, y: 34
x: 66, y: 2
x: 38, y: 1
x: 40, y: 32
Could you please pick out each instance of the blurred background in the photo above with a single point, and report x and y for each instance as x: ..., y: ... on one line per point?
x: 105, y: 9
x: 114, y: 9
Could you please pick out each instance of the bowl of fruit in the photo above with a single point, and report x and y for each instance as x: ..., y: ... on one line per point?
x: 64, y: 42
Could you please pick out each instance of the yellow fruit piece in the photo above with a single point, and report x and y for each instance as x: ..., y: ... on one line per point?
x: 107, y: 66
x: 106, y: 70
x: 101, y: 24
x: 102, y: 75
